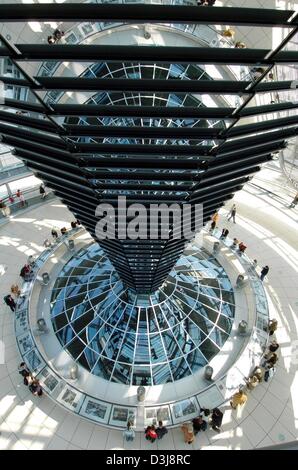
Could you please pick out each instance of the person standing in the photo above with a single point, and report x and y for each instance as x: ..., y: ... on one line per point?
x: 199, y: 424
x: 15, y: 290
x: 272, y: 327
x: 4, y: 208
x: 239, y: 398
x: 23, y: 367
x: 54, y: 233
x: 129, y: 433
x: 294, y: 202
x: 232, y: 213
x: 42, y: 191
x: 150, y: 434
x: 35, y: 388
x: 273, y: 346
x: 161, y: 430
x: 188, y: 431
x: 20, y: 196
x: 214, y: 220
x: 224, y: 234
x: 10, y: 302
x: 264, y: 272
x: 216, y: 419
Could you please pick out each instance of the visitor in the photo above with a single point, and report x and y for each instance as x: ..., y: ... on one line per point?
x: 31, y: 261
x: 15, y: 290
x: 214, y: 221
x: 271, y: 360
x: 239, y: 398
x: 258, y: 372
x: 161, y: 430
x: 27, y: 378
x: 273, y: 346
x: 58, y: 34
x: 47, y: 243
x: 73, y: 224
x: 252, y: 382
x: 10, y: 302
x: 150, y: 433
x: 240, y: 45
x: 294, y: 202
x: 224, y: 233
x: 235, y: 243
x: 257, y: 72
x: 25, y: 272
x: 63, y: 230
x: 241, y: 248
x: 229, y: 33
x: 129, y: 433
x: 20, y: 196
x: 35, y: 388
x: 264, y: 272
x: 188, y: 432
x: 269, y: 372
x: 216, y: 419
x: 25, y: 373
x: 206, y: 3
x: 199, y: 424
x: 232, y: 213
x: 205, y: 412
x: 42, y: 191
x: 51, y: 40
x: 22, y: 367
x: 4, y: 209
x: 54, y: 233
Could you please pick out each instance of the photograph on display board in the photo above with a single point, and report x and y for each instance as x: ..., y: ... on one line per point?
x: 96, y: 409
x: 184, y: 408
x: 158, y: 414
x: 51, y: 382
x: 25, y: 343
x: 69, y: 397
x: 34, y: 360
x: 120, y: 414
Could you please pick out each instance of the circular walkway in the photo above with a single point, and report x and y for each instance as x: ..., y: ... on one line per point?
x: 270, y: 415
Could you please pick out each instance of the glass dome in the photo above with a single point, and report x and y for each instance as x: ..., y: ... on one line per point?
x: 142, y: 339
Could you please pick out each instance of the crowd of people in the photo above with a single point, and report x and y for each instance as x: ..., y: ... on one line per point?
x: 263, y: 372
x: 27, y: 269
x: 18, y: 199
x: 266, y: 369
x: 213, y: 418
x: 190, y: 429
x: 237, y: 245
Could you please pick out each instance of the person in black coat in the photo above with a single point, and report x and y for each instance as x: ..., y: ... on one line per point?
x: 264, y: 272
x: 54, y: 233
x: 216, y: 419
x: 273, y: 346
x: 161, y: 430
x: 10, y: 302
x: 199, y: 424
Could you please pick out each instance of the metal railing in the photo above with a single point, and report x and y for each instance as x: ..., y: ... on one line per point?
x: 31, y: 196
